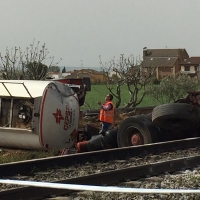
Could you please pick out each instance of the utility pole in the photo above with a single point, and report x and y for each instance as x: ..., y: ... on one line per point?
x: 81, y: 64
x: 122, y: 58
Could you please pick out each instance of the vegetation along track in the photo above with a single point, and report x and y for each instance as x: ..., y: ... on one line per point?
x: 108, y: 167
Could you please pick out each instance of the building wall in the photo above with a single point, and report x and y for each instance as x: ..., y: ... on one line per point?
x: 98, y: 78
x: 168, y: 70
x: 54, y: 75
x: 164, y: 71
x: 65, y: 74
x: 192, y: 69
x: 177, y: 67
x: 94, y: 77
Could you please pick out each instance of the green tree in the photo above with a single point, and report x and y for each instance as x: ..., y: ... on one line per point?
x: 34, y: 71
x: 17, y: 63
x: 173, y: 87
x: 54, y: 69
x: 64, y: 70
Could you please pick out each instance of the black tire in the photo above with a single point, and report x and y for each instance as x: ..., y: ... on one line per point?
x: 176, y: 116
x: 134, y: 126
x: 111, y: 138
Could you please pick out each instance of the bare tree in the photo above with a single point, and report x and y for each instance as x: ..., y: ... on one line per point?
x: 129, y: 72
x: 29, y: 64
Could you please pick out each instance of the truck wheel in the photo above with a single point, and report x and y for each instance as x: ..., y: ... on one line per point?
x: 111, y: 138
x: 134, y: 131
x: 176, y: 116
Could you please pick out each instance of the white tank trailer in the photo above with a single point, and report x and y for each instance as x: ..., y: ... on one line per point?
x: 40, y: 114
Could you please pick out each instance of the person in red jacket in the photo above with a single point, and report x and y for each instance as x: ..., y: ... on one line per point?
x: 106, y: 115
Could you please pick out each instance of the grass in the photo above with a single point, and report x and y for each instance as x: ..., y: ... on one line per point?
x: 98, y: 93
x: 7, y: 156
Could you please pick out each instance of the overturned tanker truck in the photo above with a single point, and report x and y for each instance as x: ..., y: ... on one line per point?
x: 41, y: 114
x: 166, y: 122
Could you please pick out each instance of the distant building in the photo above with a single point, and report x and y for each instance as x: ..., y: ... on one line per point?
x: 95, y: 76
x: 65, y: 74
x: 191, y: 66
x: 54, y: 75
x: 165, y: 61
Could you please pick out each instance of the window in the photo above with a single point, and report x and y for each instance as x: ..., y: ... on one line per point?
x: 187, y: 68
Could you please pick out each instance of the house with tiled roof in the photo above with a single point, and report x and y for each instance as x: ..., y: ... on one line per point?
x: 53, y: 75
x: 191, y: 66
x: 165, y: 61
x: 95, y: 76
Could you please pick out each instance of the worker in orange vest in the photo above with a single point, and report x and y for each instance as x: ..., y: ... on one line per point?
x: 106, y: 117
x: 106, y: 114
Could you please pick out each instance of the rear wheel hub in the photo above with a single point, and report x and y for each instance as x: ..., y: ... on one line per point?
x: 136, y: 139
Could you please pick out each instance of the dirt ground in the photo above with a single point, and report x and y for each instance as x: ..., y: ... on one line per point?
x: 119, y: 117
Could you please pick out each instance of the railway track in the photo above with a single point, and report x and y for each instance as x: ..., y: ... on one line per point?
x: 108, y: 167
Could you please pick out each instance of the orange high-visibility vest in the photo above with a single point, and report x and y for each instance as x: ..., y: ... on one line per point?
x: 107, y: 115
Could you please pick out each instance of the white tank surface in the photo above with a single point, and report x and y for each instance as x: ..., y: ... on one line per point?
x: 19, y: 139
x: 39, y: 114
x: 22, y: 88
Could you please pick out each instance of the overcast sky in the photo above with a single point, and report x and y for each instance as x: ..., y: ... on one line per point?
x: 78, y: 31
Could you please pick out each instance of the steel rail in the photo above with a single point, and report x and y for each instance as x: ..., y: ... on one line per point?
x: 105, y: 178
x: 26, y: 167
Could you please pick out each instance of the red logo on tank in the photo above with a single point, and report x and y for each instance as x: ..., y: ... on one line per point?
x: 58, y: 116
